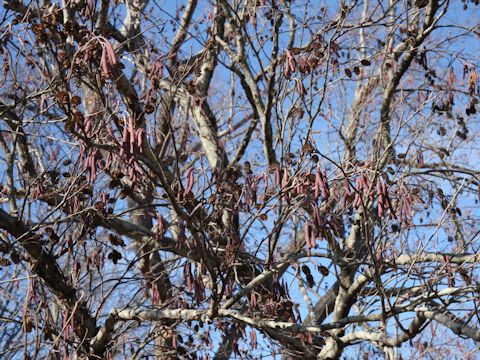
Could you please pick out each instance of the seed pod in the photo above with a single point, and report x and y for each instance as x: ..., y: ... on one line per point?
x: 310, y: 281
x: 306, y: 269
x: 323, y: 270
x: 4, y: 262
x: 365, y: 62
x: 308, y: 148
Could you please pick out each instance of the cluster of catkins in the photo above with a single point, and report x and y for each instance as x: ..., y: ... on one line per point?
x: 130, y: 145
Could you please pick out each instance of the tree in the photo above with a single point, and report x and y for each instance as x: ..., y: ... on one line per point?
x: 228, y: 178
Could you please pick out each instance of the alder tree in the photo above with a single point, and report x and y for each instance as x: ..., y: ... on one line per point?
x: 248, y: 179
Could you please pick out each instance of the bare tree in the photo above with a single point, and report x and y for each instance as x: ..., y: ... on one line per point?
x: 239, y: 179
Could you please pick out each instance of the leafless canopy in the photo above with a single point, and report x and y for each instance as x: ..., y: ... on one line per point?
x: 239, y: 178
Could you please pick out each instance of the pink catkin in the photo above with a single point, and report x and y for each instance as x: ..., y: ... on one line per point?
x: 307, y: 238
x: 190, y: 181
x: 140, y: 139
x: 276, y: 177
x: 285, y: 179
x: 112, y: 135
x: 160, y: 228
x: 300, y: 88
x: 346, y: 187
x: 110, y: 52
x: 317, y: 216
x: 253, y: 300
x: 253, y: 339
x: 317, y: 186
x: 104, y: 64
x: 358, y: 198
x: 108, y: 61
x: 291, y: 62
x: 131, y: 129
x: 88, y: 125
x: 325, y: 188
x: 108, y: 163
